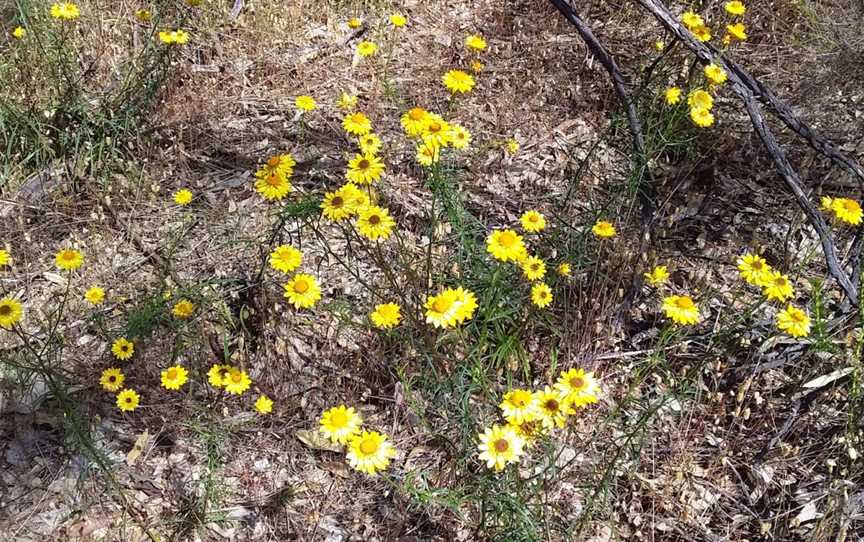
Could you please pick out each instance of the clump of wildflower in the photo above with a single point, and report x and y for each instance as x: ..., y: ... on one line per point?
x: 174, y: 377
x: 681, y: 309
x: 793, y: 321
x: 370, y: 452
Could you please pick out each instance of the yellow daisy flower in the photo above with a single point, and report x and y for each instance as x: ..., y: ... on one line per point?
x: 737, y: 31
x: 564, y: 269
x: 450, y: 307
x: 373, y: 222
x: 5, y: 259
x: 357, y: 124
x: 143, y: 15
x: 398, y: 20
x: 520, y: 406
x: 715, y: 74
x: 302, y: 291
x: 659, y: 46
x: 466, y: 304
x: 355, y: 199
x: 174, y: 377
x: 69, y: 259
x: 354, y: 22
x: 701, y: 117
x: 692, y: 20
x: 123, y: 349
x: 475, y: 42
x: 281, y: 164
x: 285, y: 258
x: 10, y: 312
x: 127, y: 400
x: 19, y: 32
x: 847, y: 210
x: 340, y: 423
x: 386, y: 315
x: 173, y: 37
x: 541, y: 295
x: 673, y: 95
x: 533, y: 221
x: 458, y: 81
x: 365, y: 169
x: 777, y: 287
x: 183, y: 197
x: 681, y: 309
x: 459, y: 137
x: 264, y: 405
x: 428, y: 153
x: 506, y: 245
x: 700, y: 99
x: 702, y: 33
x: 553, y: 407
x: 533, y: 268
x: 217, y: 374
x: 95, y: 295
x: 735, y: 8
x: 500, y: 446
x: 414, y: 121
x: 657, y: 276
x: 335, y: 207
x: 577, y: 387
x: 65, y: 10
x: 511, y: 146
x: 112, y: 379
x: 370, y: 452
x: 366, y: 48
x: 369, y: 143
x: 346, y: 102
x: 183, y: 309
x: 305, y: 103
x: 754, y: 269
x: 793, y: 321
x: 273, y: 187
x: 603, y: 229
x: 436, y: 131
x: 236, y: 382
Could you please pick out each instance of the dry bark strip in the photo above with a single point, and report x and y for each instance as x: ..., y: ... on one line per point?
x: 646, y: 188
x: 746, y: 87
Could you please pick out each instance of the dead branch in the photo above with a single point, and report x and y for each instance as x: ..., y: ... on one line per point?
x: 747, y: 95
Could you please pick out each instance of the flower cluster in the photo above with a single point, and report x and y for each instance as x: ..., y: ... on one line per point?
x: 775, y: 287
x: 366, y: 451
x: 532, y: 414
x: 273, y: 179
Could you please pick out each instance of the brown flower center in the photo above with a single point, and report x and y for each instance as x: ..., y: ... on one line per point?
x: 273, y: 162
x: 501, y: 445
x: 416, y: 114
x: 237, y: 378
x: 577, y: 382
x: 301, y: 286
x: 374, y: 220
x: 337, y: 202
x: 368, y: 446
x: 363, y: 164
x: 5, y: 310
x: 172, y: 374
x: 552, y: 405
x: 273, y: 180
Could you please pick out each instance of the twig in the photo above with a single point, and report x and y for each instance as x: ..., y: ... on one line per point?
x: 787, y: 172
